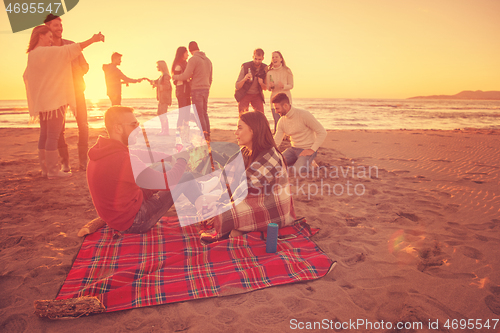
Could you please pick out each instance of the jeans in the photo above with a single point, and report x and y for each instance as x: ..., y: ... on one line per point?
x: 276, y: 117
x: 51, y: 125
x: 254, y: 99
x: 116, y: 99
x: 159, y: 203
x: 199, y: 97
x: 184, y: 102
x: 81, y: 121
x: 300, y: 163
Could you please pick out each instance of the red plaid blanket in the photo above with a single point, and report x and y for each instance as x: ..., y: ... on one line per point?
x: 169, y: 264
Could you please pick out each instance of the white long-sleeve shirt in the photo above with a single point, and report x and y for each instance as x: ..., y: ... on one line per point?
x: 305, y: 131
x: 283, y: 75
x: 49, y: 79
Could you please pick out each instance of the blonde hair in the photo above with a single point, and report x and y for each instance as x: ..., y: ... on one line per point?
x: 35, y: 36
x: 113, y: 115
x: 163, y: 66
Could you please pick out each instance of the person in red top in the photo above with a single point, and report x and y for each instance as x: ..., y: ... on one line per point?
x: 119, y: 201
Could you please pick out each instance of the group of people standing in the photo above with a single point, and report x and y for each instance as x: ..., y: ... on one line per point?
x: 54, y: 82
x: 255, y: 77
x: 305, y: 132
x: 192, y: 80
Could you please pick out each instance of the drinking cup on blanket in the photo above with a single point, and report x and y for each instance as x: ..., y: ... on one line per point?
x: 272, y: 238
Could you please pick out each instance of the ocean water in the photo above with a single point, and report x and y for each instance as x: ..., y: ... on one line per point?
x: 332, y: 113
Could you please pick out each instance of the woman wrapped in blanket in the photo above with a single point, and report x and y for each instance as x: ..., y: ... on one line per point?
x: 265, y: 176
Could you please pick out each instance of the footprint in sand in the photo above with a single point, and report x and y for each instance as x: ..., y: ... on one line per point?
x: 203, y: 306
x: 310, y: 290
x: 453, y: 243
x: 481, y: 238
x: 396, y: 194
x: 264, y: 316
x: 230, y: 301
x: 409, y: 216
x: 444, y: 194
x: 384, y: 206
x: 453, y: 208
x: 10, y: 242
x: 482, y: 226
x: 296, y: 305
x: 354, y: 221
x: 135, y: 324
x: 346, y: 285
x: 362, y: 299
x: 459, y: 232
x: 400, y: 172
x: 343, y: 250
x: 433, y: 212
x: 355, y: 259
x: 493, y: 303
x: 227, y: 316
x: 178, y: 325
x: 260, y: 297
x: 15, y: 323
x: 495, y: 290
x: 472, y: 252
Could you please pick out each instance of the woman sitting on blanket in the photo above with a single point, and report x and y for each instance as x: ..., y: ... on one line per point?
x: 268, y: 199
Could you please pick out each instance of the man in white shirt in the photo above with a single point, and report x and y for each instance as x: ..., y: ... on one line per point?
x: 306, y: 133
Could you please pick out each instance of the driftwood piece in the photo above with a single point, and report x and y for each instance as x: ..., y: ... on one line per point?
x: 73, y: 307
x: 91, y: 227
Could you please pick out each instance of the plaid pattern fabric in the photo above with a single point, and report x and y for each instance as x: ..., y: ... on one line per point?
x: 169, y: 264
x: 268, y: 199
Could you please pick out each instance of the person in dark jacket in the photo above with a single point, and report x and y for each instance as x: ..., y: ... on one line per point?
x: 251, y: 83
x: 114, y: 79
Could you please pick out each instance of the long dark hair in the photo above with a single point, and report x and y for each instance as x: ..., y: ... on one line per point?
x: 262, y: 138
x: 35, y: 36
x: 178, y: 60
x: 282, y: 61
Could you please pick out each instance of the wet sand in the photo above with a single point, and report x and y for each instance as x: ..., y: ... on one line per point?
x: 411, y: 217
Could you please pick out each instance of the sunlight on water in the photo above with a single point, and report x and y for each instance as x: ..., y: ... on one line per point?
x: 332, y: 113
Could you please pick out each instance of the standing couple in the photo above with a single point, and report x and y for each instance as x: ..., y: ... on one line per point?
x: 256, y: 76
x: 52, y: 85
x: 192, y: 81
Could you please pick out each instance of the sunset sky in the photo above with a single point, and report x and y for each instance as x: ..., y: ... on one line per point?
x: 335, y: 48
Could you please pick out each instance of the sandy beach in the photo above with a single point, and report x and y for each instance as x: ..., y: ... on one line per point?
x: 412, y: 218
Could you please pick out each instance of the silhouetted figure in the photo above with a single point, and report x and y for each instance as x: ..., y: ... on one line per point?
x: 163, y: 94
x: 182, y: 88
x: 114, y: 79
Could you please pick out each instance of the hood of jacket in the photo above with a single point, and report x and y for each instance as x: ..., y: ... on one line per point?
x: 105, y: 147
x: 200, y: 54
